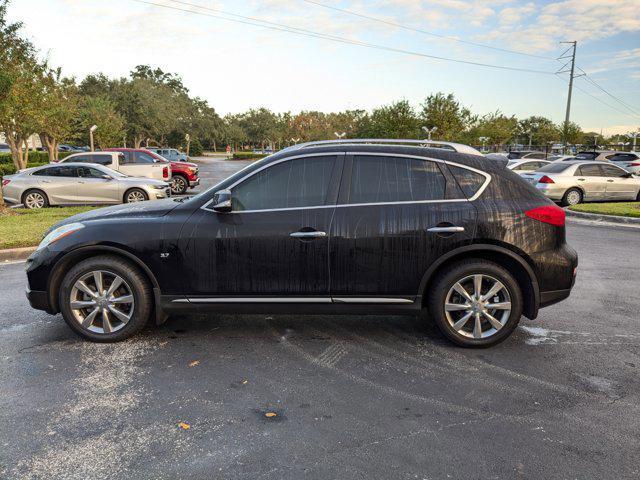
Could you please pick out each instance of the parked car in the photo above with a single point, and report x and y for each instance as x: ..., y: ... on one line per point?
x: 139, y: 165
x: 595, y: 155
x: 184, y: 175
x: 369, y: 226
x: 630, y: 161
x: 520, y: 166
x: 78, y: 184
x: 4, y: 148
x: 515, y: 155
x: 170, y: 154
x: 560, y: 158
x: 579, y: 181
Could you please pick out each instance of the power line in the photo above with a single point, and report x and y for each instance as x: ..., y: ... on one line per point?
x: 605, y: 103
x: 595, y: 84
x: 425, y: 32
x: 310, y: 33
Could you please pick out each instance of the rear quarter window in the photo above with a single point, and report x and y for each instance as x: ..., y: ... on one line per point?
x: 468, y: 180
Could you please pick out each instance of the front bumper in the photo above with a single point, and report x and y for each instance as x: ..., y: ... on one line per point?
x: 194, y: 183
x: 39, y: 300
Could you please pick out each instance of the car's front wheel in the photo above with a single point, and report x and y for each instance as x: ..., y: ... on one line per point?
x: 135, y: 195
x: 179, y: 185
x: 475, y: 303
x: 105, y: 299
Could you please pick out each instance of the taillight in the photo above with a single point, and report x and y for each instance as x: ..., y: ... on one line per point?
x: 634, y: 164
x: 165, y: 172
x: 5, y: 182
x: 551, y: 214
x: 545, y: 179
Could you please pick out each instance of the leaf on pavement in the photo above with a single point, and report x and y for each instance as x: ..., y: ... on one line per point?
x: 184, y: 426
x: 194, y: 363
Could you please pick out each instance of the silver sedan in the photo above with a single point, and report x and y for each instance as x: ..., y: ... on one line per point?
x: 574, y: 182
x: 79, y: 184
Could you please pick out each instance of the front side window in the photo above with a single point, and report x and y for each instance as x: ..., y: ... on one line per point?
x: 88, y: 172
x: 302, y: 182
x: 382, y: 179
x: 611, y: 171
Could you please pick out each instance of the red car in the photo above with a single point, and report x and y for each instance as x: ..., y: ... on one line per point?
x: 184, y: 175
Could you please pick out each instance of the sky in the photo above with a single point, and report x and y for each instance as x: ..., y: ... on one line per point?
x: 237, y: 66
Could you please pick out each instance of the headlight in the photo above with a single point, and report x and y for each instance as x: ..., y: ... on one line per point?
x: 59, y: 233
x: 159, y: 187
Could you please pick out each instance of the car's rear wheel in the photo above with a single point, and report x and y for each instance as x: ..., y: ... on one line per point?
x: 135, y: 195
x: 475, y: 303
x: 573, y: 196
x: 179, y: 185
x: 105, y: 299
x: 34, y: 199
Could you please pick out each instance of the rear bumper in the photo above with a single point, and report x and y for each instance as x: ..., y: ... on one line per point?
x: 551, y: 191
x: 553, y: 296
x: 39, y: 300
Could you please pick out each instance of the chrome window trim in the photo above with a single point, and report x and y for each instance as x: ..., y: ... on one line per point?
x: 479, y: 192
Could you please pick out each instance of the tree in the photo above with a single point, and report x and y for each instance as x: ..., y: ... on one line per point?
x: 573, y: 133
x: 497, y: 126
x: 447, y: 115
x: 21, y: 76
x: 538, y: 130
x: 101, y: 111
x: 396, y: 120
x: 60, y: 108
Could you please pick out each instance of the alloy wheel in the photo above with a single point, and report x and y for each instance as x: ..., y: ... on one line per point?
x: 477, y: 306
x: 178, y: 185
x: 135, y: 196
x: 34, y: 200
x: 101, y: 302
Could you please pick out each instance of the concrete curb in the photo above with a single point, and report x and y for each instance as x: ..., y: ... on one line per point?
x: 603, y: 218
x: 13, y: 254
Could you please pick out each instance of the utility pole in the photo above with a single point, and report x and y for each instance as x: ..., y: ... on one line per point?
x: 572, y: 75
x: 634, y: 136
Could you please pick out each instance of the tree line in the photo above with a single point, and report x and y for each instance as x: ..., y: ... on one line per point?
x: 153, y: 107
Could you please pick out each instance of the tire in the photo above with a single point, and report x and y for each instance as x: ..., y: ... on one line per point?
x: 463, y: 273
x: 179, y: 184
x: 135, y: 195
x: 573, y: 196
x: 134, y: 297
x: 35, y: 199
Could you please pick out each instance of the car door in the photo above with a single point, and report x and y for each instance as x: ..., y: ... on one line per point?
x: 619, y: 185
x: 273, y: 245
x: 141, y: 164
x: 395, y: 216
x: 59, y: 183
x: 592, y: 181
x: 93, y: 187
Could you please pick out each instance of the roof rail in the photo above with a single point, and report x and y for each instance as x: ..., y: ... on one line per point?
x: 456, y: 147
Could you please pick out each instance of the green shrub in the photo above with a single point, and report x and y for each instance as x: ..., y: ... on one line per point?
x: 34, y: 157
x: 10, y: 169
x: 247, y: 156
x: 195, y: 148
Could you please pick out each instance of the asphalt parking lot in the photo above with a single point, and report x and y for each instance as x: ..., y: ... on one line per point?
x: 353, y: 396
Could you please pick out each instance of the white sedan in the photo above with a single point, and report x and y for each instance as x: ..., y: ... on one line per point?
x: 526, y: 166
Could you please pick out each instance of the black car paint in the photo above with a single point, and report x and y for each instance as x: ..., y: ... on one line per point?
x: 191, y: 252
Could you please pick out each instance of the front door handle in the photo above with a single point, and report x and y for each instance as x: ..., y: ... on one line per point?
x: 452, y: 229
x: 610, y: 181
x: 312, y: 234
x: 581, y: 179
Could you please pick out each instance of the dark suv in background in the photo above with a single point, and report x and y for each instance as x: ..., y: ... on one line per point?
x: 354, y: 226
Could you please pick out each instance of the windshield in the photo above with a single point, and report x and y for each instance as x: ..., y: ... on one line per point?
x: 554, y: 168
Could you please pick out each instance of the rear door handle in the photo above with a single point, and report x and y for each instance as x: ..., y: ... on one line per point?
x: 581, y: 179
x: 313, y: 234
x: 610, y: 181
x: 445, y: 229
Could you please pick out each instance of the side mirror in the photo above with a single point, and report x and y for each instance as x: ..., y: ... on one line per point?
x: 107, y: 177
x: 222, y: 201
x: 627, y: 175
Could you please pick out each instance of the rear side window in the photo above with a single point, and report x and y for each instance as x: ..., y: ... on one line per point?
x: 100, y: 159
x: 382, y: 179
x: 554, y: 168
x: 45, y: 172
x: 469, y: 181
x: 589, y: 171
x: 294, y: 183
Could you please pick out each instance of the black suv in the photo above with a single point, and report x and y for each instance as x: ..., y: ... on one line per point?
x: 336, y: 227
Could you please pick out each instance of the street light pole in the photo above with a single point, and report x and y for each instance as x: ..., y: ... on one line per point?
x: 91, y: 130
x: 340, y: 135
x: 429, y: 131
x: 634, y: 136
x: 484, y: 140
